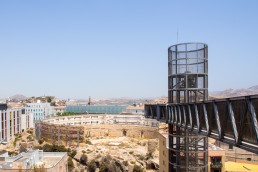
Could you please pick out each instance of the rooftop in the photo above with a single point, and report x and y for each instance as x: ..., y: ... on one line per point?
x: 35, y: 157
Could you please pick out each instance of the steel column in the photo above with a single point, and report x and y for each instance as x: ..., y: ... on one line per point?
x: 233, y: 121
x: 253, y: 117
x: 216, y: 113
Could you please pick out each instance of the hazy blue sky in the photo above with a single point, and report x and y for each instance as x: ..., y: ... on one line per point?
x: 80, y: 48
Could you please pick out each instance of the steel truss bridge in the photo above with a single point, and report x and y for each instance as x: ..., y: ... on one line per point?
x: 230, y: 120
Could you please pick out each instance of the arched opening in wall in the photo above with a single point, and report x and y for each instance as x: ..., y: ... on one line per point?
x: 124, y: 132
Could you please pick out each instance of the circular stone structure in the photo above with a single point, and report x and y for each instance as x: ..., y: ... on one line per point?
x: 76, y: 129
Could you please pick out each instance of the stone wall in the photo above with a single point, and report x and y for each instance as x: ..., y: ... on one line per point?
x: 68, y: 133
x: 116, y: 130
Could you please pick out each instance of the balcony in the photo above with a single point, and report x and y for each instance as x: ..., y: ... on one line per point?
x: 216, y: 165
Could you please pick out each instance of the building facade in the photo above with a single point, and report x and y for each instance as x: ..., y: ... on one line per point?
x: 40, y: 110
x: 27, y: 120
x: 10, y: 123
x: 27, y: 161
x: 123, y: 119
x: 95, y: 109
x: 163, y: 152
x: 59, y: 110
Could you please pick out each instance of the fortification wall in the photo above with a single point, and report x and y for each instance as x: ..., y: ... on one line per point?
x: 117, y: 130
x: 69, y: 133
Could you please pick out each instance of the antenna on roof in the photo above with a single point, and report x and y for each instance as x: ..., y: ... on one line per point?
x: 177, y: 36
x: 89, y: 103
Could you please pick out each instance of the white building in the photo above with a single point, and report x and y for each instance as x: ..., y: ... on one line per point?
x: 26, y: 161
x: 10, y: 123
x: 123, y: 119
x: 137, y: 109
x: 40, y: 110
x: 27, y: 120
x: 59, y: 109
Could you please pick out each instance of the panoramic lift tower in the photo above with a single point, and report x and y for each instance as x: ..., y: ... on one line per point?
x: 187, y: 83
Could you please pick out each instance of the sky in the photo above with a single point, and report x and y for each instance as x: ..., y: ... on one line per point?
x: 114, y: 48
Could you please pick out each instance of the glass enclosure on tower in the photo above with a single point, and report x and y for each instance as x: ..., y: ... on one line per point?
x: 187, y: 72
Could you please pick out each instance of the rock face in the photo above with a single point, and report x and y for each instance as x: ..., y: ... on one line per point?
x: 151, y: 165
x: 120, y: 157
x: 235, y: 92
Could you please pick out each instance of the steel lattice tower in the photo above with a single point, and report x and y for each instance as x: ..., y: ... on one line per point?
x: 187, y: 83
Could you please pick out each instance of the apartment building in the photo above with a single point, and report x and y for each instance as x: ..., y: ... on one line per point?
x: 27, y: 120
x: 40, y: 110
x: 10, y: 122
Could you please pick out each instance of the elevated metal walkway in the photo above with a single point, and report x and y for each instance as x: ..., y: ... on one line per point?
x: 230, y: 120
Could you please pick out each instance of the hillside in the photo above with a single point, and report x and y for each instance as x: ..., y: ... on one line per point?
x: 235, y: 92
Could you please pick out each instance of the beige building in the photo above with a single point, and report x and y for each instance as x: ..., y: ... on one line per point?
x: 163, y: 152
x: 216, y: 155
x: 216, y: 159
x: 236, y: 154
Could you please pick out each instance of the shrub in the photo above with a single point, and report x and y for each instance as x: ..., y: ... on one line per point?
x: 73, y: 153
x: 125, y: 163
x: 54, y: 148
x: 12, y: 153
x: 149, y: 155
x: 141, y: 157
x: 41, y: 141
x: 87, y: 141
x: 92, y: 166
x: 29, y: 138
x: 137, y: 168
x: 69, y: 150
x: 29, y: 131
x: 83, y: 159
x: 131, y: 152
x: 108, y: 165
x: 103, y: 167
x: 70, y: 163
x: 40, y: 168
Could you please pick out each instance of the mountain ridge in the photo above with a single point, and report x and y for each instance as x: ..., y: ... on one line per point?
x: 236, y: 92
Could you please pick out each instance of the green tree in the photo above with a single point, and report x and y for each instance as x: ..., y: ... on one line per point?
x: 49, y: 100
